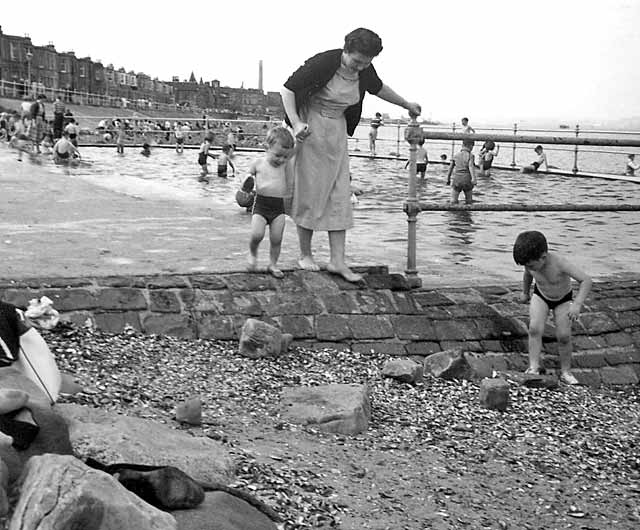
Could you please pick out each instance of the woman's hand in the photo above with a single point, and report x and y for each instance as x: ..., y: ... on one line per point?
x: 301, y: 130
x: 414, y: 109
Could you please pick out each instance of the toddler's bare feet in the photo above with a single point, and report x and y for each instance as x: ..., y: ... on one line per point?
x: 345, y: 272
x: 275, y: 271
x: 568, y: 378
x: 307, y: 263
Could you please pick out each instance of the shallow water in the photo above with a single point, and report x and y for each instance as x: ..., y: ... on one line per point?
x: 451, y: 245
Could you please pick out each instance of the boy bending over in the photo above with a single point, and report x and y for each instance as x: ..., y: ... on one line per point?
x: 551, y: 292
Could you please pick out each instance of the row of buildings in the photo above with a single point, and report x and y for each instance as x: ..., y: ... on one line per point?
x: 30, y: 69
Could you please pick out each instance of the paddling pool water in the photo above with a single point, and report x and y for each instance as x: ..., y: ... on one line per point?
x: 450, y: 245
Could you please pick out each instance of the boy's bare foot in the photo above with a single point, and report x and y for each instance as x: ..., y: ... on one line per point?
x: 534, y: 370
x: 568, y: 378
x: 345, y: 272
x: 252, y: 263
x: 308, y: 264
x: 275, y: 271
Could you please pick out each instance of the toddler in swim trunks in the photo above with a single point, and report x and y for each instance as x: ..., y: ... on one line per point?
x: 463, y: 169
x: 272, y: 175
x: 551, y: 292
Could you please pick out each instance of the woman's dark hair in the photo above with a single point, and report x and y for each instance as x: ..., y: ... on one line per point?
x: 529, y: 246
x: 364, y: 41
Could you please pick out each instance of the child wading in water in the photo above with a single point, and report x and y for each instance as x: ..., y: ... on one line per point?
x: 204, y: 153
x: 224, y: 159
x: 422, y: 159
x: 464, y: 176
x: 271, y: 177
x: 539, y: 161
x: 551, y: 292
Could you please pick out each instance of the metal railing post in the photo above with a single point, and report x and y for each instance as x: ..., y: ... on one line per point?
x: 453, y: 142
x: 398, y: 141
x: 413, y: 135
x: 513, y: 157
x: 575, y: 153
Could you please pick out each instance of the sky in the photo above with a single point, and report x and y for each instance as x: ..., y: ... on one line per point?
x: 495, y: 61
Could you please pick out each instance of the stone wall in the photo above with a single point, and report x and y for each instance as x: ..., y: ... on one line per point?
x: 382, y: 315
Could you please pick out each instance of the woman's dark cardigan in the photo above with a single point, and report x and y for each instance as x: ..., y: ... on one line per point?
x: 317, y: 71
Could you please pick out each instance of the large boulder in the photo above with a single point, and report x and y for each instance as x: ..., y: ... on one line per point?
x: 403, y: 370
x: 222, y: 511
x: 259, y: 339
x: 112, y: 438
x: 61, y: 492
x: 339, y: 408
x: 448, y: 364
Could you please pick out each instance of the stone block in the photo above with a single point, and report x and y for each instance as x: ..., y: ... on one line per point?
x: 619, y: 338
x: 627, y: 319
x: 412, y: 327
x: 373, y: 302
x: 163, y: 301
x: 463, y: 296
x: 315, y: 283
x: 497, y: 362
x: 259, y: 339
x: 491, y: 345
x: 188, y: 297
x: 250, y: 304
x: 169, y: 324
x: 494, y: 394
x: 71, y: 299
x: 436, y: 312
x: 207, y: 282
x: 116, y: 322
x: 300, y: 326
x: 465, y: 345
x: 627, y: 303
x: 512, y: 309
x: 115, y: 281
x: 338, y: 408
x: 403, y: 370
x: 500, y: 327
x: 249, y: 281
x: 20, y: 297
x: 339, y: 303
x: 393, y: 282
x: 121, y: 298
x: 431, y: 298
x: 219, y: 301
x: 448, y: 364
x: 473, y: 311
x: 622, y: 374
x: 456, y: 330
x: 370, y: 326
x: 598, y: 323
x: 622, y: 355
x: 589, y: 359
x: 214, y: 326
x: 584, y: 342
x: 517, y: 361
x: 391, y: 348
x: 332, y: 328
x: 63, y: 283
x: 292, y: 304
x: 405, y: 305
x: 587, y: 377
x: 79, y: 318
x: 481, y: 365
x: 170, y: 281
x: 422, y: 348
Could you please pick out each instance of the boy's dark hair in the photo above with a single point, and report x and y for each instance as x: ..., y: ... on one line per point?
x: 529, y: 246
x: 537, y: 148
x: 364, y: 41
x: 468, y: 144
x: 465, y: 119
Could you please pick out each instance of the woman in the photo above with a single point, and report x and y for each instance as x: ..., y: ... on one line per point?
x: 323, y: 103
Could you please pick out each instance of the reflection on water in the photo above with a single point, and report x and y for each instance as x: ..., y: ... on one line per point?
x: 461, y: 244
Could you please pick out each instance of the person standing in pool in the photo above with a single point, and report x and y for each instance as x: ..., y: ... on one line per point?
x: 64, y: 150
x: 466, y: 128
x: 203, y: 154
x: 535, y: 165
x: 376, y: 123
x: 551, y: 292
x: 422, y: 159
x: 224, y: 160
x: 463, y: 169
x: 488, y: 152
x: 323, y: 104
x: 631, y: 166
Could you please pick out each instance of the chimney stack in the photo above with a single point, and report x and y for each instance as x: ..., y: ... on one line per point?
x: 260, y: 75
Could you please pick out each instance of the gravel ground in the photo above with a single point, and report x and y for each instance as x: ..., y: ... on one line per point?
x: 431, y: 458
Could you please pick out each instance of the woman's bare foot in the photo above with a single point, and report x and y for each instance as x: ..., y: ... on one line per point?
x: 252, y: 263
x: 345, y: 272
x: 275, y: 271
x: 307, y: 263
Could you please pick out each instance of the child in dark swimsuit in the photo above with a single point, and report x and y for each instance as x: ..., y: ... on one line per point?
x: 272, y: 176
x: 552, y: 292
x: 488, y: 152
x: 535, y: 165
x: 225, y: 159
x: 204, y: 153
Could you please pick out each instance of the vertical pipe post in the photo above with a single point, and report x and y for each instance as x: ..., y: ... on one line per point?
x: 413, y: 134
x: 575, y: 152
x: 453, y: 142
x: 398, y: 141
x: 513, y: 158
